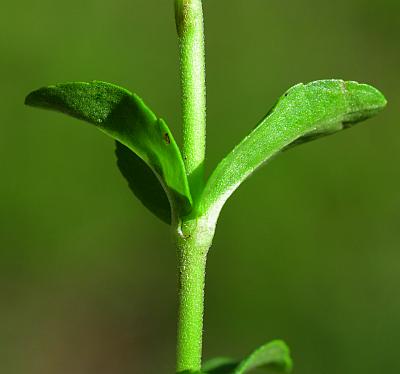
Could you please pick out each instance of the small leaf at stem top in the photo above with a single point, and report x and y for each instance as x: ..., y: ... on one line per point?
x: 123, y: 116
x: 304, y: 112
x: 273, y: 356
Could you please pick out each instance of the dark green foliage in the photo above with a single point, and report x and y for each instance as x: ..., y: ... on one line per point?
x: 143, y: 182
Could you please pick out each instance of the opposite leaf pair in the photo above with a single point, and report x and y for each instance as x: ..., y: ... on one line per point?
x: 150, y: 159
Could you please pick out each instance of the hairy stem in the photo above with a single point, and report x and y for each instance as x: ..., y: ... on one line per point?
x: 189, y: 21
x: 193, y: 241
x: 193, y: 237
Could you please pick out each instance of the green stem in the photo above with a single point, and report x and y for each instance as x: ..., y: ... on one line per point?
x: 193, y: 241
x: 193, y: 235
x: 189, y: 21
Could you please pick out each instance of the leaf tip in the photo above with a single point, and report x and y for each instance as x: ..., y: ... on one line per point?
x: 40, y: 97
x: 364, y: 100
x: 30, y: 98
x: 282, y: 350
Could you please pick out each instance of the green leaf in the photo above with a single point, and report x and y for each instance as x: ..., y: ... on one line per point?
x: 123, y: 116
x: 273, y: 357
x: 303, y: 113
x: 220, y: 365
x: 143, y: 182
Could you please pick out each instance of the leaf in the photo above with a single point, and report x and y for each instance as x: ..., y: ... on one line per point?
x: 303, y: 113
x: 123, y: 116
x: 143, y: 182
x: 220, y: 365
x: 273, y: 356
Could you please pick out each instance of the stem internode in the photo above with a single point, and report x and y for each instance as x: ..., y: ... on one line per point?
x: 194, y: 239
x: 190, y: 26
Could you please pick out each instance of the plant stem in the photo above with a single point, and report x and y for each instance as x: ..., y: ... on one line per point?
x: 193, y: 244
x: 193, y: 237
x: 190, y: 26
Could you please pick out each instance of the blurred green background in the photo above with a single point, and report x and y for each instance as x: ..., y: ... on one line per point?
x: 307, y: 250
